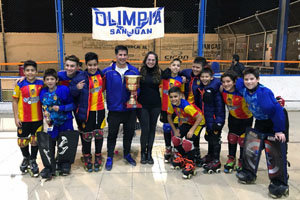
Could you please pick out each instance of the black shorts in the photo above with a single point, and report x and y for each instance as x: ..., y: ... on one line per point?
x: 30, y: 128
x: 184, y: 129
x: 94, y: 121
x: 238, y: 126
x: 264, y: 126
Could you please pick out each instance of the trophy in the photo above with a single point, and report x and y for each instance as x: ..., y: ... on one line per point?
x: 132, y: 84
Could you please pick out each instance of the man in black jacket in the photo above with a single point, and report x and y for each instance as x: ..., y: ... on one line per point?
x: 237, y: 66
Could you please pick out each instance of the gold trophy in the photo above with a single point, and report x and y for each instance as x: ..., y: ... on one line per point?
x: 132, y: 84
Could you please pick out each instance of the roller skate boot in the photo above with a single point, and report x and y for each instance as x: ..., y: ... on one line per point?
x: 229, y: 166
x: 168, y: 154
x: 47, y: 174
x: 205, y: 160
x: 65, y: 169
x: 239, y: 167
x: 245, y: 177
x: 88, y: 166
x: 189, y: 169
x: 178, y: 161
x: 212, y: 167
x: 197, y: 158
x: 278, y: 190
x: 34, y: 168
x: 98, y: 162
x: 24, y: 165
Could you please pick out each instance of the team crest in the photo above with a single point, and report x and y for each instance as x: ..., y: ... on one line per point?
x: 198, y: 82
x: 54, y: 97
x: 20, y: 131
x: 83, y: 125
x: 32, y: 91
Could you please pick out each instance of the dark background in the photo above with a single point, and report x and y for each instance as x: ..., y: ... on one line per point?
x: 181, y: 16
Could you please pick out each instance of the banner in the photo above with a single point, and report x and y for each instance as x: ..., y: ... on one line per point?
x: 122, y: 23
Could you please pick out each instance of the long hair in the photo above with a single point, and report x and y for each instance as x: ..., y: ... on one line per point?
x: 156, y: 69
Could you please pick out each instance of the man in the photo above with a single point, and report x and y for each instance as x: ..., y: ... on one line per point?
x: 116, y: 97
x: 237, y: 66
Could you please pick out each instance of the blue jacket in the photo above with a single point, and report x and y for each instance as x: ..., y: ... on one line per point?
x: 263, y: 105
x: 81, y: 97
x: 116, y: 93
x: 209, y: 100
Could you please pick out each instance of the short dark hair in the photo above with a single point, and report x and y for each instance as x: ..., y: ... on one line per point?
x: 207, y: 70
x: 120, y: 48
x: 236, y: 57
x: 176, y: 59
x: 174, y: 90
x: 200, y: 60
x: 90, y: 56
x: 30, y: 63
x: 231, y: 74
x: 73, y: 58
x: 50, y: 72
x: 251, y: 70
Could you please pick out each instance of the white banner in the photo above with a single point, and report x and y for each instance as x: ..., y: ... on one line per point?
x: 122, y: 23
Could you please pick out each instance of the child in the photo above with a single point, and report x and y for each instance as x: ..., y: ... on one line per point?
x: 72, y: 68
x: 28, y: 116
x: 270, y: 118
x: 170, y: 78
x: 239, y: 119
x: 188, y: 126
x: 210, y: 100
x: 191, y: 86
x: 90, y: 112
x: 57, y: 107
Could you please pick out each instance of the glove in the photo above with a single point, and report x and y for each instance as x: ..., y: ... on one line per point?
x: 217, y: 126
x: 166, y: 74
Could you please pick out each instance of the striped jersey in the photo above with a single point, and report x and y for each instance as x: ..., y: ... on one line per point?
x: 29, y: 104
x: 63, y: 78
x: 166, y: 85
x: 96, y: 99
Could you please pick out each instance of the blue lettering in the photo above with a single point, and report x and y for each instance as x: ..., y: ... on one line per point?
x: 143, y: 32
x: 128, y: 21
x: 157, y: 17
x: 100, y: 18
x: 111, y: 22
x: 118, y: 31
x: 149, y: 31
x: 112, y: 31
x: 142, y: 18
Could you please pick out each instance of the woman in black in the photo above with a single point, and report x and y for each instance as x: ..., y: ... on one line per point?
x: 150, y: 99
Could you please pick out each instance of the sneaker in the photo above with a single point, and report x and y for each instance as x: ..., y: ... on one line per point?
x: 109, y: 163
x: 130, y: 160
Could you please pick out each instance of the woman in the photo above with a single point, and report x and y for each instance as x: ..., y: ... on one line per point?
x: 151, y: 104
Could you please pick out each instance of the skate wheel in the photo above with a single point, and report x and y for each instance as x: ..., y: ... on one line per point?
x: 210, y: 171
x: 177, y: 168
x: 194, y: 173
x: 166, y: 161
x: 219, y: 171
x: 189, y: 176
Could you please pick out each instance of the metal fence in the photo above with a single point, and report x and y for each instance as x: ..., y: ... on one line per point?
x: 254, y: 38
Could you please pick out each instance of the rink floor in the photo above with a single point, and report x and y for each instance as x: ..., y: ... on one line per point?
x: 156, y: 181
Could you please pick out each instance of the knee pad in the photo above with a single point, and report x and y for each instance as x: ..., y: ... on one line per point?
x: 167, y: 128
x: 187, y: 145
x: 176, y: 141
x: 98, y: 134
x: 33, y: 140
x: 23, y: 142
x: 87, y: 136
x: 232, y: 138
x: 241, y: 140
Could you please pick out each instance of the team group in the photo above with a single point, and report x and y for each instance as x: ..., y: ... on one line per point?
x: 186, y: 101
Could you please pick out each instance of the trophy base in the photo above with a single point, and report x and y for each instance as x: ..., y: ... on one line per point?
x: 133, y: 105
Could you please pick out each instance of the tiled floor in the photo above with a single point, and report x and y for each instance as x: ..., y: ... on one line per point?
x: 156, y: 181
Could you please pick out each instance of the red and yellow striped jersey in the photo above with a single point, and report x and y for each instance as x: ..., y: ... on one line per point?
x: 166, y: 85
x: 96, y: 99
x: 185, y: 111
x: 29, y: 104
x: 236, y: 105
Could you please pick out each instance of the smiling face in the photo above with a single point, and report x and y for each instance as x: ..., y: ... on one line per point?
x: 51, y: 82
x: 250, y: 81
x: 71, y: 67
x: 175, y: 67
x: 175, y: 98
x: 196, y: 68
x: 150, y: 62
x: 121, y: 58
x: 92, y: 66
x: 228, y: 84
x: 206, y: 78
x: 30, y: 73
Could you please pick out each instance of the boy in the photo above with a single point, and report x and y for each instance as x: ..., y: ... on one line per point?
x: 90, y: 117
x: 170, y: 78
x: 57, y: 106
x: 210, y: 100
x: 188, y: 120
x: 191, y: 86
x: 72, y: 66
x: 270, y: 119
x: 28, y: 116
